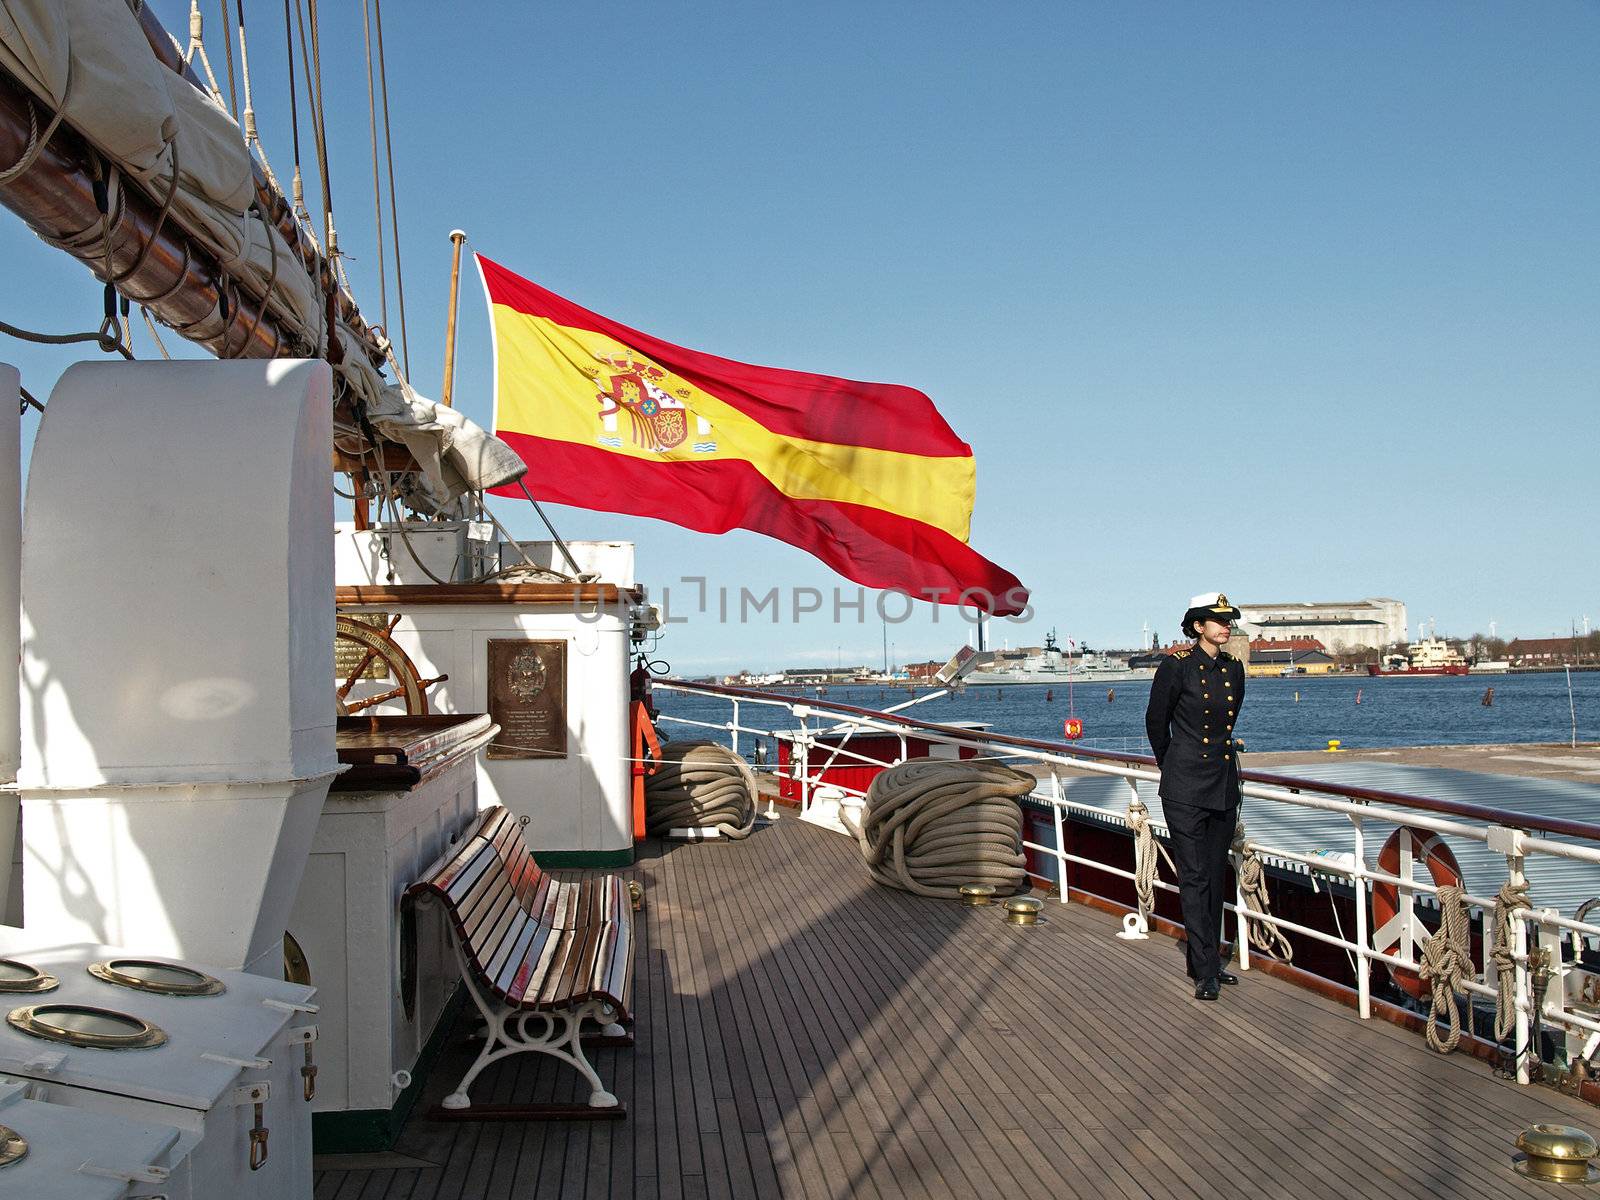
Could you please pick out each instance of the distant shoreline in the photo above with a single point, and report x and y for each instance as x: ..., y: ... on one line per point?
x: 923, y: 685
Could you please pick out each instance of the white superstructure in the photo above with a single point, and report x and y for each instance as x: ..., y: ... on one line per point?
x: 1341, y: 625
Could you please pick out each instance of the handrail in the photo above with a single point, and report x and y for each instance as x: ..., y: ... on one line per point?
x: 1561, y: 826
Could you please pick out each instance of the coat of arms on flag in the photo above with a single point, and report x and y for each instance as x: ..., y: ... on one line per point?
x: 658, y: 419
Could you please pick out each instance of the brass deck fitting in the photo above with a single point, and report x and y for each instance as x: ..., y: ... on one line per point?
x: 636, y: 894
x: 1557, y: 1153
x: 974, y: 895
x: 1023, y: 910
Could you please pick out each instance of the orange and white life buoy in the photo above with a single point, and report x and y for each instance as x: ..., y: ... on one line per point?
x: 1396, y: 926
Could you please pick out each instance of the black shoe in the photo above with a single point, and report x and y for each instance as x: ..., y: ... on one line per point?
x: 1227, y: 977
x: 1207, y: 989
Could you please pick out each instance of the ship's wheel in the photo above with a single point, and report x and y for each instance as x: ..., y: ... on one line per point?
x: 377, y: 646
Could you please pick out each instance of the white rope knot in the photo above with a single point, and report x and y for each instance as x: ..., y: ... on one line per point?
x: 1446, y: 962
x: 1507, y: 900
x: 1264, y: 935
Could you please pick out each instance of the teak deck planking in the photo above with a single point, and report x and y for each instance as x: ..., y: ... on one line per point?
x: 803, y: 1032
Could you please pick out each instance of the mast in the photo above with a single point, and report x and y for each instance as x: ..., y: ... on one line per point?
x: 457, y: 236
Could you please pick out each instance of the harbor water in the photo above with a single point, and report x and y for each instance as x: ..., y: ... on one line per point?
x: 1300, y: 713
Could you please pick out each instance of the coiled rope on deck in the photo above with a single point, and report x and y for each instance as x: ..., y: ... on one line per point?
x: 700, y: 785
x: 1446, y: 963
x: 930, y: 825
x: 1264, y: 935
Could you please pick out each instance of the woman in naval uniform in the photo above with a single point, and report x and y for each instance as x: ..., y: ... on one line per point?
x: 1194, y: 700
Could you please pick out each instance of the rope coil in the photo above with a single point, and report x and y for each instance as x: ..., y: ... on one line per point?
x: 1264, y: 935
x: 1446, y: 963
x: 930, y: 825
x: 700, y: 785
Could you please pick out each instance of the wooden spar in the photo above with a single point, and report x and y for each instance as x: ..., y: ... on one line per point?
x: 180, y: 281
x: 456, y: 237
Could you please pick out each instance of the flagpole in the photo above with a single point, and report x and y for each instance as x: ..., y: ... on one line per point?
x: 457, y: 236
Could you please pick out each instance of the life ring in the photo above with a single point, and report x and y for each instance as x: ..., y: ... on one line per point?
x: 1388, y: 917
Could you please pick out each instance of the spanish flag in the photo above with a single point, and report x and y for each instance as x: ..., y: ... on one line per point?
x: 867, y: 477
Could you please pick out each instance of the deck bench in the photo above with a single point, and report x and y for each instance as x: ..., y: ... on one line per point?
x: 538, y: 955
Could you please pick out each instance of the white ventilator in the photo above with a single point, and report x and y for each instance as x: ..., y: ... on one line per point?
x: 177, y: 615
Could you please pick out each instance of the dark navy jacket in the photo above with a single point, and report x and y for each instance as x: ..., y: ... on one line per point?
x: 1194, y: 700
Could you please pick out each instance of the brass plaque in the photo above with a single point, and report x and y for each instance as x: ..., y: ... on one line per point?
x: 528, y: 698
x: 349, y: 654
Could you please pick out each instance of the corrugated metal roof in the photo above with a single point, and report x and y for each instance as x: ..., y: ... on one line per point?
x: 1558, y: 883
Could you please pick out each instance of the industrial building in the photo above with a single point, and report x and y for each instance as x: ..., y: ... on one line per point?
x: 1340, y: 626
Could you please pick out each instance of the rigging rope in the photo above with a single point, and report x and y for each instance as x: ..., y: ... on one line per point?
x: 320, y: 129
x: 394, y: 211
x: 197, y: 45
x: 251, y: 136
x: 1264, y: 935
x: 299, y: 196
x: 1507, y: 900
x: 377, y: 187
x: 1145, y: 865
x: 929, y: 825
x: 154, y: 335
x: 36, y: 140
x: 102, y: 339
x: 1446, y: 963
x: 227, y: 50
x: 28, y: 401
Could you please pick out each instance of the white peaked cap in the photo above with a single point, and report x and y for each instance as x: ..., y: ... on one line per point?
x: 1206, y: 600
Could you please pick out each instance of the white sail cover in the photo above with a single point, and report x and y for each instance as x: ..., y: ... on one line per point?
x: 456, y: 455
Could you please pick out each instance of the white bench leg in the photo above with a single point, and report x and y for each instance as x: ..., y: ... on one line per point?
x: 515, y: 1031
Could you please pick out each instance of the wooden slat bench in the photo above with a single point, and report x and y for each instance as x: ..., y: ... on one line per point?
x: 538, y: 955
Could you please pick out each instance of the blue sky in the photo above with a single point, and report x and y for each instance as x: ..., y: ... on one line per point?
x: 1294, y: 301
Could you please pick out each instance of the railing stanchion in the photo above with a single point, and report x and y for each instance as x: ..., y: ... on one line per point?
x: 1240, y: 913
x: 1523, y: 978
x: 1056, y: 796
x: 802, y: 753
x: 1358, y: 884
x: 733, y: 729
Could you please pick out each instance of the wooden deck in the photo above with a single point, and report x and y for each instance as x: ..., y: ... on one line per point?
x: 802, y: 1032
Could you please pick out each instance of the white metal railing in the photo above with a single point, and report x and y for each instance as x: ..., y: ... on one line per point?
x: 1544, y: 969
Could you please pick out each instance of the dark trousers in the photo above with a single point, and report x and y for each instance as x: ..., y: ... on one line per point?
x: 1201, y: 838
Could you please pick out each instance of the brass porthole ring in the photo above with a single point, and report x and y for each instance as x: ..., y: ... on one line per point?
x: 13, y: 1146
x: 23, y: 977
x: 83, y: 1025
x: 146, y: 975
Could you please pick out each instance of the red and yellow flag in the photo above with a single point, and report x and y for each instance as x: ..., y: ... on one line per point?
x: 868, y: 477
